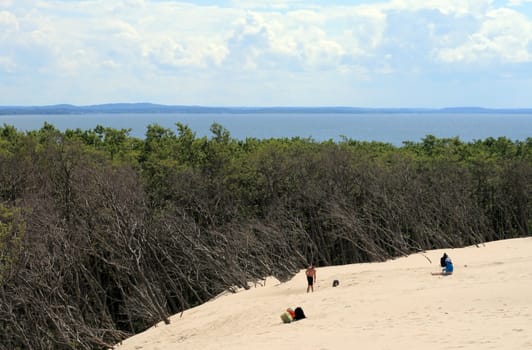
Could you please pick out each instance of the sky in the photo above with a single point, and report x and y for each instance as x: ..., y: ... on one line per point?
x: 397, y: 53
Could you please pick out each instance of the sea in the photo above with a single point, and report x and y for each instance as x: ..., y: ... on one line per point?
x: 393, y: 128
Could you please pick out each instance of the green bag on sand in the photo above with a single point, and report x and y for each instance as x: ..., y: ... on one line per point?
x: 285, y: 316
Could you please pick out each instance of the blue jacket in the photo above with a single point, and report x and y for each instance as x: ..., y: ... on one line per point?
x: 448, y: 265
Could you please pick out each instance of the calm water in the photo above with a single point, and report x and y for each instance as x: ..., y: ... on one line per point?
x: 391, y: 128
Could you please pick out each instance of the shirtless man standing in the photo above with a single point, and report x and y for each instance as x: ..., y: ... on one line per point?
x: 311, y: 278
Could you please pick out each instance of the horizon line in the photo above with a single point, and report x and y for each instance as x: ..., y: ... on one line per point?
x: 110, y: 104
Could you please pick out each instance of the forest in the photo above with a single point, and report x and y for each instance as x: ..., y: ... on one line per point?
x: 103, y: 235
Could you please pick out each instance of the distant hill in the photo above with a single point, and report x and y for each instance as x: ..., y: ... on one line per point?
x: 157, y: 108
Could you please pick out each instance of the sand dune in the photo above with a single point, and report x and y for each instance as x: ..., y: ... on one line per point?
x: 398, y: 304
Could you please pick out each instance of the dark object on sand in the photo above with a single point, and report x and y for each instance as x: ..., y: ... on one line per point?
x: 299, y: 314
x: 336, y: 283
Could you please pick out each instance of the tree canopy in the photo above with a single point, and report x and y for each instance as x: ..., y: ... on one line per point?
x: 103, y: 234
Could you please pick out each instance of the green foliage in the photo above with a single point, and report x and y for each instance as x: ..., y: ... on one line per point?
x: 9, y: 139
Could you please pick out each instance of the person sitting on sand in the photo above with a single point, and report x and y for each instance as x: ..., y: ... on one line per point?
x: 448, y: 267
x: 311, y: 278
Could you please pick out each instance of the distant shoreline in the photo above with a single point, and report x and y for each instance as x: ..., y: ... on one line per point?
x: 158, y: 108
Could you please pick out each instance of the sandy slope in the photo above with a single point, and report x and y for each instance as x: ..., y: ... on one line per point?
x: 486, y: 304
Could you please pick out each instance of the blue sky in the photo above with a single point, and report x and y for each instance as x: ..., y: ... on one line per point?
x: 398, y: 53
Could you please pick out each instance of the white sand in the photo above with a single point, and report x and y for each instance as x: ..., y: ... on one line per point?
x: 486, y: 304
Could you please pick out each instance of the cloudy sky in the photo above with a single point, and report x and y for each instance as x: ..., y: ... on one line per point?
x: 397, y: 53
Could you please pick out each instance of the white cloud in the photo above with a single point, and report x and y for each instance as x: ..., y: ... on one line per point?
x: 446, y: 7
x: 168, y: 53
x: 504, y: 35
x: 306, y: 39
x: 8, y: 24
x: 319, y: 51
x: 120, y: 29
